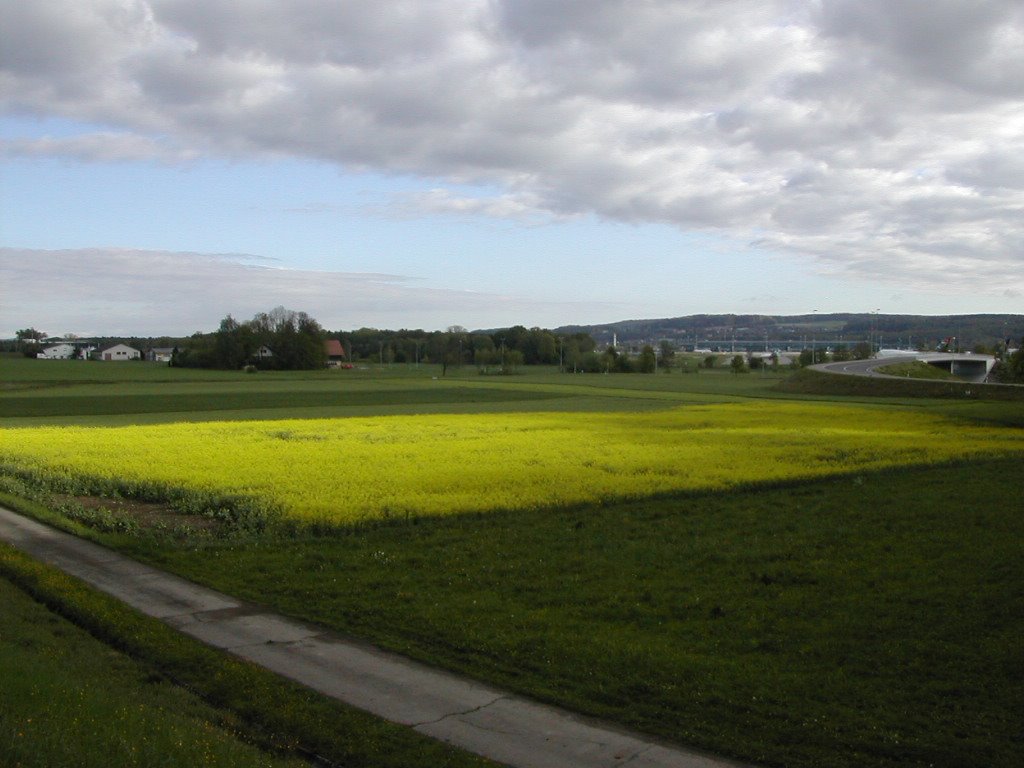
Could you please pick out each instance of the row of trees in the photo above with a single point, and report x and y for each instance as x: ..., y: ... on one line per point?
x: 288, y: 340
x: 500, y: 350
x: 284, y: 339
x: 279, y: 339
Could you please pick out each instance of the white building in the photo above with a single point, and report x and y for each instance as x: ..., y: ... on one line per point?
x: 120, y: 352
x: 57, y: 352
x: 160, y: 354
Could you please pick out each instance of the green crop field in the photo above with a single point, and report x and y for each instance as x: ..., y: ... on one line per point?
x: 786, y: 577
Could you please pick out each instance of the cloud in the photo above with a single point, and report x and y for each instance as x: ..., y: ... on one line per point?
x: 110, y: 291
x: 522, y: 208
x: 103, y: 147
x: 875, y: 138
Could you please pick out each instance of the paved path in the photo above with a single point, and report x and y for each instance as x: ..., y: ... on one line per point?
x: 475, y: 717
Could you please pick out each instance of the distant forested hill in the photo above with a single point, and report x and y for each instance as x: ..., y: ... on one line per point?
x: 920, y: 331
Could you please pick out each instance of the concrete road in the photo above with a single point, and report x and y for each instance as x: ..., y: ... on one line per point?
x: 476, y: 717
x: 865, y: 367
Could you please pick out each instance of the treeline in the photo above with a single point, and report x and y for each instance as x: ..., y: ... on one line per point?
x: 280, y: 339
x: 501, y: 350
x: 962, y: 332
x: 286, y: 340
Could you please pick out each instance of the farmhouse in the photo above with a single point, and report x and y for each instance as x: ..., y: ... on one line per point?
x: 120, y: 352
x: 58, y: 352
x: 335, y: 352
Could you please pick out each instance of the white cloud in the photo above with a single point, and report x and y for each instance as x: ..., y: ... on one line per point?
x: 103, y: 147
x: 877, y: 138
x: 109, y: 291
x: 523, y: 208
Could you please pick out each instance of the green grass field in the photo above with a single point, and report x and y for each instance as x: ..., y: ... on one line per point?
x: 867, y: 617
x: 918, y: 370
x: 68, y: 699
x: 63, y: 392
x: 161, y: 698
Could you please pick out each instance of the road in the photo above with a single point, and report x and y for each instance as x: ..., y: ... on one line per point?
x: 865, y: 367
x: 476, y: 717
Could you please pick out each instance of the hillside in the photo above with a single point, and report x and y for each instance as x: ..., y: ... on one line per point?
x: 926, y: 331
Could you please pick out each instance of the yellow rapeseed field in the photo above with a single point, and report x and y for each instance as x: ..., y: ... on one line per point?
x: 346, y: 470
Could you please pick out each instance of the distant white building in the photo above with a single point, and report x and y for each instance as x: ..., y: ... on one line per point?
x: 160, y: 354
x: 57, y: 352
x: 120, y: 352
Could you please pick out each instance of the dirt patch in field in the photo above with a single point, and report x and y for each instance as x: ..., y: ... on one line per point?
x: 148, y: 514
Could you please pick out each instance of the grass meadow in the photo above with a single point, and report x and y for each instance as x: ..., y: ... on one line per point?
x: 69, y: 699
x: 786, y: 577
x: 161, y: 698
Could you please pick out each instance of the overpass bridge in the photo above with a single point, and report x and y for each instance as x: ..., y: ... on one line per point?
x: 963, y: 365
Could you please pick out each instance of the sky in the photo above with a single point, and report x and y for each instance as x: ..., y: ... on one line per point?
x: 487, y: 163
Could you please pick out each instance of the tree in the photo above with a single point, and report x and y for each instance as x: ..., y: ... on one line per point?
x: 841, y: 354
x: 539, y: 347
x: 609, y: 359
x: 807, y: 357
x: 30, y: 335
x: 232, y: 344
x: 666, y: 354
x: 198, y: 354
x: 447, y: 347
x: 591, y: 362
x: 585, y: 341
x: 484, y: 353
x: 738, y: 364
x: 710, y: 361
x: 648, y: 362
x: 513, y: 359
x: 483, y: 358
x: 309, y: 349
x: 861, y: 351
x: 1015, y: 364
x: 576, y: 350
x: 572, y: 357
x: 515, y: 337
x: 623, y: 363
x: 29, y: 341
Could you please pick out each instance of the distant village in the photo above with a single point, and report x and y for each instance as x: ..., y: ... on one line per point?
x: 81, y: 349
x: 282, y: 339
